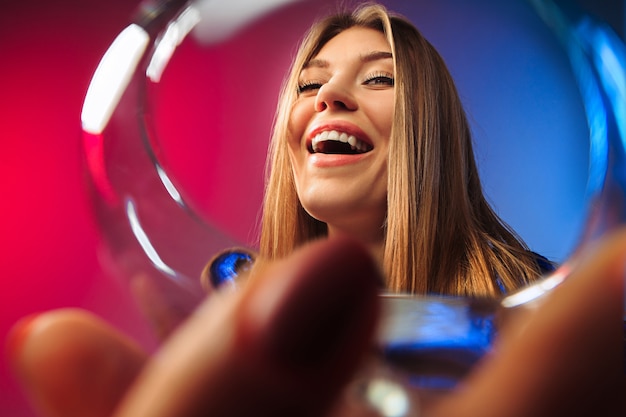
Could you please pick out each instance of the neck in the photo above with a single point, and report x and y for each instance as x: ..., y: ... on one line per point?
x: 374, y: 242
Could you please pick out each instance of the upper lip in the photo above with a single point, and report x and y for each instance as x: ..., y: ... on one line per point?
x: 339, y: 126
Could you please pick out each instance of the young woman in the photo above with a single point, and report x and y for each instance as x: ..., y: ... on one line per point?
x: 406, y: 183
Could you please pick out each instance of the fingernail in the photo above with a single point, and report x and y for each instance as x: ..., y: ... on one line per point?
x: 18, y: 334
x: 315, y: 305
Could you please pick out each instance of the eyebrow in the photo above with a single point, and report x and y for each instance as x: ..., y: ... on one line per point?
x: 369, y: 57
x: 376, y: 55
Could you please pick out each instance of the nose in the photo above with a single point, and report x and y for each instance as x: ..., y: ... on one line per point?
x: 333, y: 96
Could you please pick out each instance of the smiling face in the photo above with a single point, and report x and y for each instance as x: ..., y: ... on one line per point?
x: 339, y: 133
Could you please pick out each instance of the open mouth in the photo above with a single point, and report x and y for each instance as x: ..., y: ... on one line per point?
x: 334, y: 142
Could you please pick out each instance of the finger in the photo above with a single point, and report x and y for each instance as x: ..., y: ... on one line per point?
x: 285, y: 345
x: 564, y: 359
x: 72, y: 364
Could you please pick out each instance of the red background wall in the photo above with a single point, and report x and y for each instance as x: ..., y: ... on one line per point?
x: 48, y: 51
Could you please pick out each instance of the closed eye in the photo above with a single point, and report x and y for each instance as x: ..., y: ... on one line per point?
x: 309, y: 86
x: 379, y: 80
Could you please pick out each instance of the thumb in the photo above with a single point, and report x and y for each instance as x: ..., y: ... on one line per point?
x: 72, y: 364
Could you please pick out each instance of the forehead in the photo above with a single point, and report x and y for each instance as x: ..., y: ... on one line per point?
x: 354, y: 41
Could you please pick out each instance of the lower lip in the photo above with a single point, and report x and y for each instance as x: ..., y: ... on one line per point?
x: 321, y: 160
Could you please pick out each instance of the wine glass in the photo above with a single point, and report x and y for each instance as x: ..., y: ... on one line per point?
x: 158, y: 233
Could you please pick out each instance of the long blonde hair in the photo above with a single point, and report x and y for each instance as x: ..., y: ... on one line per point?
x: 441, y: 235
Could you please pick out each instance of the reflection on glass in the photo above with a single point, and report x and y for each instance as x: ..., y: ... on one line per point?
x: 112, y: 77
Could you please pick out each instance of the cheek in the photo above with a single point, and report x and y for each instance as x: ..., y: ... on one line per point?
x: 380, y: 112
x: 301, y: 114
x: 386, y: 117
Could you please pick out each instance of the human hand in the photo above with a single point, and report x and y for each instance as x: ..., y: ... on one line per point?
x: 283, y: 345
x: 289, y: 341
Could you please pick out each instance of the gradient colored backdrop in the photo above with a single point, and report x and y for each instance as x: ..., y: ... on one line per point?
x: 531, y: 137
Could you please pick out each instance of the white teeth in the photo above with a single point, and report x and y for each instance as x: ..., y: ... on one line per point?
x: 355, y: 143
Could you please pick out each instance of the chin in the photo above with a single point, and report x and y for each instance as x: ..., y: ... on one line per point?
x: 342, y: 210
